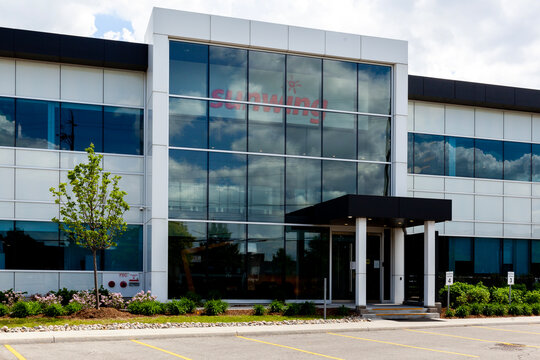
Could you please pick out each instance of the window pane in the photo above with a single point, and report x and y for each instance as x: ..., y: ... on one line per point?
x: 306, y: 262
x: 488, y: 159
x: 186, y: 271
x: 187, y: 184
x: 37, y: 124
x: 81, y: 125
x: 459, y: 157
x: 7, y: 122
x: 265, y: 262
x: 266, y: 77
x: 339, y: 85
x: 374, y: 88
x: 188, y: 124
x: 373, y: 179
x: 339, y: 140
x: 460, y: 255
x: 228, y: 74
x: 303, y: 183
x: 338, y: 178
x: 535, y: 162
x: 265, y: 188
x: 123, y: 131
x: 517, y: 161
x: 6, y: 238
x: 535, y: 251
x: 266, y: 129
x: 303, y: 89
x: 227, y: 186
x: 486, y: 256
x: 507, y: 252
x: 227, y: 126
x: 373, y: 138
x: 188, y: 69
x: 521, y: 257
x: 76, y: 257
x: 428, y: 154
x: 410, y: 153
x: 127, y: 255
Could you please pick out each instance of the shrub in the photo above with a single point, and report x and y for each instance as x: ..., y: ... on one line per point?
x: 450, y: 313
x: 84, y: 298
x: 54, y: 310
x: 47, y: 300
x: 292, y: 309
x: 476, y: 308
x: 517, y: 295
x: 141, y: 297
x: 10, y: 297
x: 147, y: 308
x: 22, y: 309
x: 499, y: 295
x: 4, y: 310
x: 259, y: 310
x: 196, y: 298
x: 515, y: 309
x: 65, y: 294
x: 532, y: 297
x: 308, y: 308
x: 499, y: 309
x: 535, y: 308
x: 488, y: 310
x: 276, y: 306
x: 215, y: 307
x: 73, y: 307
x: 178, y: 307
x: 457, y: 290
x: 113, y: 300
x: 526, y: 309
x: 520, y: 287
x: 536, y: 286
x: 463, y: 311
x: 478, y: 294
x: 343, y: 311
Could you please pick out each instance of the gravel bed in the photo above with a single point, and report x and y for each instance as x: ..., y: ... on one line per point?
x: 171, y: 325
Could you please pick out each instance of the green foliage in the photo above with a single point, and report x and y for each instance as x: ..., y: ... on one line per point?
x: 488, y: 310
x: 476, y: 308
x: 450, y: 313
x: 499, y: 310
x: 478, y: 294
x: 520, y: 287
x: 517, y: 295
x: 4, y: 310
x: 66, y: 295
x: 463, y: 311
x: 147, y: 308
x: 457, y: 290
x: 73, y: 307
x: 343, y: 311
x: 196, y: 298
x: 292, y: 309
x: 215, y: 307
x: 526, y: 309
x: 91, y: 213
x: 515, y: 309
x: 308, y: 308
x: 259, y: 310
x: 180, y: 307
x: 276, y: 307
x: 54, y: 310
x: 532, y: 297
x: 499, y: 295
x: 23, y: 309
x: 535, y: 308
x: 536, y: 286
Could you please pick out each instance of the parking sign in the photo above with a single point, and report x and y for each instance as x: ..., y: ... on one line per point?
x: 449, y: 277
x: 510, y: 278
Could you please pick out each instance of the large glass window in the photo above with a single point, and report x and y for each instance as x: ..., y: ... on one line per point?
x: 188, y: 69
x: 517, y: 161
x: 227, y: 127
x: 37, y: 124
x: 410, y: 153
x: 488, y: 159
x: 339, y: 140
x: 374, y: 88
x: 266, y: 78
x: 535, y: 257
x: 521, y: 257
x: 486, y: 256
x: 7, y: 122
x: 266, y: 129
x: 34, y: 246
x: 6, y: 233
x: 123, y: 130
x: 338, y: 179
x: 266, y: 180
x: 460, y: 255
x: 81, y: 125
x: 339, y: 85
x: 227, y: 186
x: 188, y: 123
x: 373, y: 138
x: 228, y: 74
x: 535, y: 162
x: 303, y: 187
x: 303, y: 135
x: 127, y: 255
x: 373, y: 179
x: 459, y: 157
x: 187, y: 184
x: 428, y: 154
x: 266, y: 262
x: 306, y: 263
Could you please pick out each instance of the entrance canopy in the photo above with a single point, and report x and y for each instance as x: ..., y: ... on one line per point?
x: 391, y: 211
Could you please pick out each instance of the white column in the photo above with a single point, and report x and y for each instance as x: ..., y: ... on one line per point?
x: 360, y: 256
x: 399, y: 131
x: 429, y: 263
x: 398, y: 266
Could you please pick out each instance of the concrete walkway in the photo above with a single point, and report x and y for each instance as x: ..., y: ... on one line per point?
x: 101, y: 335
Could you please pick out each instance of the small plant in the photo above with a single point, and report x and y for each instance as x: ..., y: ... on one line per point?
x: 532, y: 297
x: 476, y: 309
x: 276, y: 307
x: 54, y: 310
x: 343, y: 311
x: 86, y: 299
x: 488, y: 310
x: 463, y: 311
x: 65, y: 294
x: 450, y: 313
x: 308, y: 308
x: 515, y: 309
x: 535, y: 308
x: 196, y: 298
x: 499, y: 309
x: 180, y: 307
x: 112, y: 300
x: 215, y: 307
x: 142, y: 296
x: 10, y: 297
x: 259, y: 310
x: 526, y: 310
x: 147, y: 308
x: 4, y: 310
x: 292, y: 309
x: 22, y: 309
x: 72, y: 308
x: 47, y: 300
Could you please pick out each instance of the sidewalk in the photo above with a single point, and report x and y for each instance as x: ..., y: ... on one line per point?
x: 102, y: 335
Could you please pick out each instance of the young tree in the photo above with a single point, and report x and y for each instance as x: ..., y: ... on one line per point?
x: 91, y: 213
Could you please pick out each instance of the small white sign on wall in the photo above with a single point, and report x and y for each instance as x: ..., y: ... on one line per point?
x: 510, y: 278
x: 449, y: 277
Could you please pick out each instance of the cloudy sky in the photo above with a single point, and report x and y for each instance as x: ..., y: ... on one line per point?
x: 491, y: 41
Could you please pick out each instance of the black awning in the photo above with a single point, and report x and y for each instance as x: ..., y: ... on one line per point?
x: 391, y: 211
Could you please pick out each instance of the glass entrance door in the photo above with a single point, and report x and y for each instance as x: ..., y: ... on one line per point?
x: 373, y: 268
x: 343, y: 274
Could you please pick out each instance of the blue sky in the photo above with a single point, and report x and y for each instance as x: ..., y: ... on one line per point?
x: 110, y: 23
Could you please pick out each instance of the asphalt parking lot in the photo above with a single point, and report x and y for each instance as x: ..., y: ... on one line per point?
x: 486, y: 342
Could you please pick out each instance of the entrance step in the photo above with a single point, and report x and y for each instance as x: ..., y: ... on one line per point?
x: 398, y: 313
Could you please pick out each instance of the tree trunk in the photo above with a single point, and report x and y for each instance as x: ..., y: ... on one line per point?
x: 95, y: 279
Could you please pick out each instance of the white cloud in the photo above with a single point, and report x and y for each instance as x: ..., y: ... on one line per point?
x: 492, y: 41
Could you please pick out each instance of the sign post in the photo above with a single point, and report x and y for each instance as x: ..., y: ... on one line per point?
x: 449, y: 282
x: 510, y: 283
x: 324, y: 298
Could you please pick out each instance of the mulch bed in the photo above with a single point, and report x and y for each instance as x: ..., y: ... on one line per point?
x: 102, y: 313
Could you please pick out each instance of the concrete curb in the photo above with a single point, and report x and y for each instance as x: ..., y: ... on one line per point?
x: 140, y: 334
